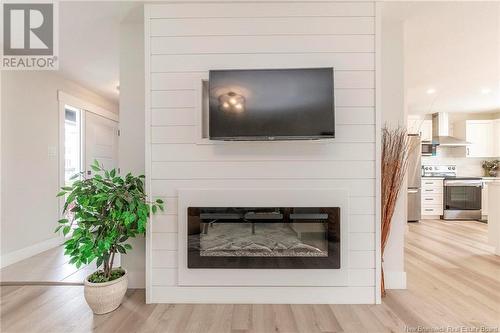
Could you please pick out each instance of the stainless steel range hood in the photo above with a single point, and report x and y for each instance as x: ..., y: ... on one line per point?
x: 440, y: 132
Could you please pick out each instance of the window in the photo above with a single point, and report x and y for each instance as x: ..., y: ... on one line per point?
x: 72, y: 142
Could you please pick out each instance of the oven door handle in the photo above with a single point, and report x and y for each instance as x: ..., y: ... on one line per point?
x: 461, y: 183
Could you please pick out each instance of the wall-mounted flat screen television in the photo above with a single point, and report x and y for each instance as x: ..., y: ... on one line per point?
x: 271, y: 104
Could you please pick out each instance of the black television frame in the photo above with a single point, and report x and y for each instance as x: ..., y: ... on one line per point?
x: 273, y: 138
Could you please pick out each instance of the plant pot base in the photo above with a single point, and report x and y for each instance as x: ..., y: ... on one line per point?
x: 105, y: 297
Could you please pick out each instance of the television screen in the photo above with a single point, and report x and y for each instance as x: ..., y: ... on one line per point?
x: 271, y: 104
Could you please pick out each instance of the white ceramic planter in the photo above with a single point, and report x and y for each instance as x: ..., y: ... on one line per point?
x: 105, y: 297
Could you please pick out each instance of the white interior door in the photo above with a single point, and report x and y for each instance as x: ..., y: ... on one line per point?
x: 101, y: 141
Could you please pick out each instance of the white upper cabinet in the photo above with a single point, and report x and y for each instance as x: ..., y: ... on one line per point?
x: 426, y: 131
x: 481, y: 135
x: 413, y: 125
x: 416, y: 125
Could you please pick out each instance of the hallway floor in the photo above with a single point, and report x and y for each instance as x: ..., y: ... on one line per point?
x: 50, y: 266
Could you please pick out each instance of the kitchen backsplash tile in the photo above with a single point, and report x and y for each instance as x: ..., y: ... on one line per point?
x: 465, y: 166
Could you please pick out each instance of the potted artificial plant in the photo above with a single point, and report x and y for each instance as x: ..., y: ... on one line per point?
x: 106, y: 210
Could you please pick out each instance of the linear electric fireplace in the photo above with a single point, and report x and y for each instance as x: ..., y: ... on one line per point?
x: 264, y: 237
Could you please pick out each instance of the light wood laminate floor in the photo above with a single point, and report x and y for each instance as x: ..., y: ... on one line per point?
x: 50, y: 266
x: 453, y: 280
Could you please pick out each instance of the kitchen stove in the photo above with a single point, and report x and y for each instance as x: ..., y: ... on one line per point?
x: 461, y: 195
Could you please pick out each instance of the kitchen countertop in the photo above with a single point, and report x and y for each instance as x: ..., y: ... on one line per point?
x: 492, y: 179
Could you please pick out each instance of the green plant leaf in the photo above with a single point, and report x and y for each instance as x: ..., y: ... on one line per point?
x: 66, y: 230
x: 60, y: 194
x: 63, y: 221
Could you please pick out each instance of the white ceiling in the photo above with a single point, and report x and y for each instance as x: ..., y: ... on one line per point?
x: 89, y: 40
x: 454, y: 49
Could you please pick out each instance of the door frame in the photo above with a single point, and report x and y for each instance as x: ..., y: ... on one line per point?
x: 67, y: 99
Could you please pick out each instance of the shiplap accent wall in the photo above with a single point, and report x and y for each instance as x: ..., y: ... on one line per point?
x: 183, y: 42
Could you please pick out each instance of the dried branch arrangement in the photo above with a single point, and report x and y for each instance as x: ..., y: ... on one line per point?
x: 396, y: 148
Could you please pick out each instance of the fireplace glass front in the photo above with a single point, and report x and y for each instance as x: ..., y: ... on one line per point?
x: 263, y: 237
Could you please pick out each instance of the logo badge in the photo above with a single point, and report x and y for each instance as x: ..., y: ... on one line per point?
x: 29, y: 36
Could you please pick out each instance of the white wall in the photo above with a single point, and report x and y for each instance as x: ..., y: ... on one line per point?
x: 394, y: 114
x: 259, y: 35
x: 29, y: 170
x: 132, y: 134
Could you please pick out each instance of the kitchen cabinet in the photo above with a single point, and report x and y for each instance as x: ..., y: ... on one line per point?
x: 432, y: 197
x: 421, y: 127
x: 426, y: 131
x: 413, y: 125
x: 480, y: 134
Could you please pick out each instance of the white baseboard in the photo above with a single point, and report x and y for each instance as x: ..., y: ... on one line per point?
x: 395, y: 280
x: 263, y: 295
x: 16, y: 256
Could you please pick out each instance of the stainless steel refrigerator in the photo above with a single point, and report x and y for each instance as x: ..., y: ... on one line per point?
x: 414, y: 178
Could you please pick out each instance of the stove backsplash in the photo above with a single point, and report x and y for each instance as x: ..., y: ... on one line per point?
x: 466, y: 167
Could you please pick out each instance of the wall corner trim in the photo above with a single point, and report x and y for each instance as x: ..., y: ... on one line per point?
x: 395, y: 280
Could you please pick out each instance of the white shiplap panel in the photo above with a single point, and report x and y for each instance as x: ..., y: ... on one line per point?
x: 165, y: 258
x: 362, y: 223
x: 173, y: 99
x: 164, y: 276
x: 173, y: 134
x: 354, y: 79
x: 344, y: 79
x: 271, y: 9
x: 263, y: 151
x: 205, y: 62
x: 283, y: 35
x: 262, y: 44
x: 164, y: 241
x: 269, y: 169
x: 354, y: 97
x: 361, y: 241
x: 357, y: 187
x: 355, y: 116
x: 362, y: 205
x: 354, y: 133
x: 188, y: 134
x: 165, y: 223
x: 227, y: 26
x: 361, y: 277
x: 173, y: 116
x: 170, y: 205
x: 362, y: 259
